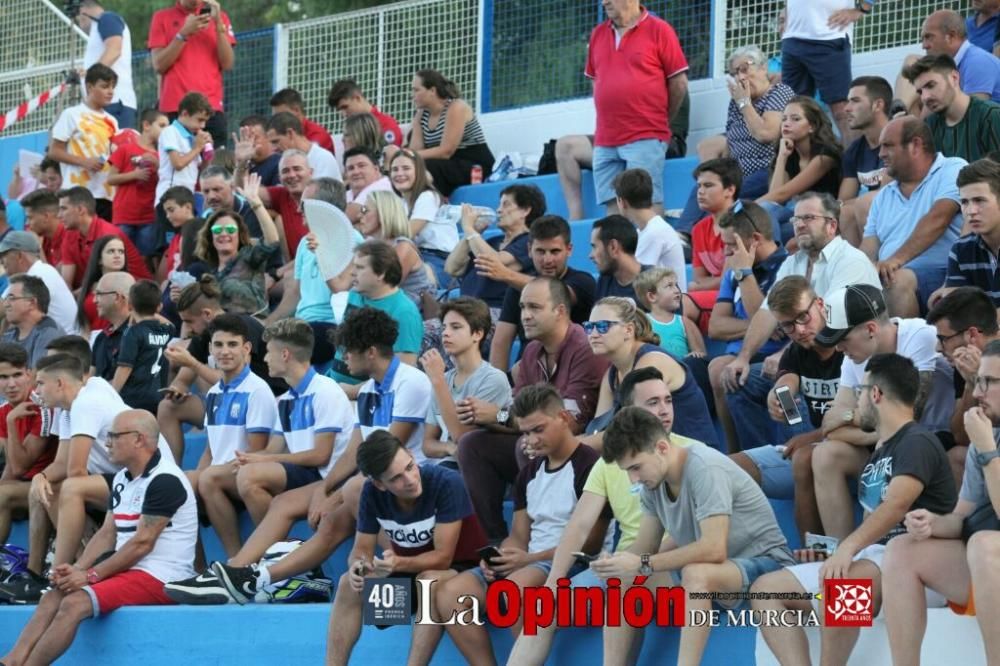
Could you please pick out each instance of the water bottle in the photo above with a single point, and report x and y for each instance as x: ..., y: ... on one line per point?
x: 208, y: 152
x: 44, y: 412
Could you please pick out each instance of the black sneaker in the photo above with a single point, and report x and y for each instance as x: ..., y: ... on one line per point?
x: 202, y: 590
x: 240, y: 582
x: 23, y: 588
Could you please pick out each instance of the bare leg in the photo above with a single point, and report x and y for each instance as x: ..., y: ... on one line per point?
x: 908, y: 567
x: 789, y: 644
x: 74, y: 496
x: 285, y: 510
x: 472, y: 641
x: 623, y: 643
x: 807, y: 517
x: 901, y: 295
x: 13, y: 498
x: 839, y: 642
x: 345, y: 623
x: 715, y: 368
x: 333, y: 529
x: 36, y: 627
x: 39, y: 528
x: 173, y: 415
x: 427, y: 636
x: 833, y: 464
x: 850, y: 226
x: 217, y: 487
x: 258, y: 484
x: 983, y: 555
x: 724, y: 577
x: 573, y: 152
x: 74, y: 609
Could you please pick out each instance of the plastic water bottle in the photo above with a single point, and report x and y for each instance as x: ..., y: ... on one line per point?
x: 46, y: 414
x: 476, y: 175
x: 208, y: 152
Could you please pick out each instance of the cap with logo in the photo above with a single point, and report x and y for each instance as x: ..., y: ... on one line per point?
x: 20, y: 240
x: 848, y: 307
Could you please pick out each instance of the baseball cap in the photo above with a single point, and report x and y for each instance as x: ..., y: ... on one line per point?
x: 848, y: 307
x: 20, y: 240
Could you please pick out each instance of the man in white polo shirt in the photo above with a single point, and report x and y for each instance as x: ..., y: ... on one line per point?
x: 19, y: 253
x: 240, y: 410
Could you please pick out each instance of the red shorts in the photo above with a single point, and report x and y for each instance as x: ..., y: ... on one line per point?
x: 129, y: 588
x: 968, y: 609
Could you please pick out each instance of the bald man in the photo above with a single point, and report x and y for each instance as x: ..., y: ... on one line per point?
x: 150, y: 546
x: 111, y: 297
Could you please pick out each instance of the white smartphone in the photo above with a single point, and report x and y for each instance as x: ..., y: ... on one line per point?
x: 788, y: 406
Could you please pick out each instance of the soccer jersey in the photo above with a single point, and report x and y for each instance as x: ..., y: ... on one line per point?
x: 443, y: 499
x: 317, y: 405
x: 404, y: 394
x: 141, y: 349
x: 234, y: 410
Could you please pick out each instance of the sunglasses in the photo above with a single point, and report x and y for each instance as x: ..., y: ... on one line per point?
x: 227, y: 228
x: 601, y: 326
x: 738, y: 210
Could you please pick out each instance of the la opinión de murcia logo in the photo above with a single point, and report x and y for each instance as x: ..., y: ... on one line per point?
x: 848, y: 602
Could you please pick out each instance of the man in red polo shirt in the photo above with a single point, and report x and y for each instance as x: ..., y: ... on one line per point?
x: 77, y: 210
x: 346, y: 98
x: 289, y: 99
x: 640, y: 80
x: 41, y: 212
x: 190, y: 52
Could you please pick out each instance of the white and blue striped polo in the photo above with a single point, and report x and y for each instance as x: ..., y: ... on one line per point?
x: 315, y: 406
x: 404, y: 394
x: 234, y: 410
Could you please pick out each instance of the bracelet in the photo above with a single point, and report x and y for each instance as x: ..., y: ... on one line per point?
x: 474, y: 234
x: 861, y: 4
x: 180, y: 38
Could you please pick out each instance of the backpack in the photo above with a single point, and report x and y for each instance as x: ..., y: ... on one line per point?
x: 310, y: 587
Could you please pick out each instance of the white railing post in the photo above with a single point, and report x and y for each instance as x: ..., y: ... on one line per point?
x: 280, y: 77
x: 480, y: 47
x: 720, y: 12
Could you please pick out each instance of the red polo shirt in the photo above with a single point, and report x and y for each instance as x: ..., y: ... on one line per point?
x: 29, y: 425
x: 53, y: 247
x: 317, y: 134
x: 197, y: 68
x: 390, y: 127
x: 77, y: 248
x: 630, y: 80
x: 291, y: 217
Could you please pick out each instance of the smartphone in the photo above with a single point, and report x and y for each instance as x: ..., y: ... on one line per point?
x: 205, y: 9
x: 583, y: 558
x: 488, y: 553
x: 821, y: 544
x: 788, y: 406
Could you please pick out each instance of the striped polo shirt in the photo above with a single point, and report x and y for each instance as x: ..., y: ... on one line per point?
x: 236, y: 409
x: 974, y: 137
x: 316, y: 405
x: 972, y: 264
x: 404, y: 394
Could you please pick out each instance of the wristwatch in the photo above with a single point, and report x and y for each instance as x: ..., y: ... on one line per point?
x: 503, y: 415
x: 645, y: 568
x: 743, y: 103
x: 849, y: 416
x: 740, y: 274
x: 983, y: 459
x: 92, y: 577
x: 864, y: 6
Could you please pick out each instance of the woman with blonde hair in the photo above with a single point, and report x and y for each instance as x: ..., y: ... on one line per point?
x: 620, y: 332
x: 383, y: 216
x: 363, y: 129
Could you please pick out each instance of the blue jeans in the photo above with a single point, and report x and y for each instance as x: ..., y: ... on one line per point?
x: 781, y: 215
x: 748, y: 408
x: 146, y: 237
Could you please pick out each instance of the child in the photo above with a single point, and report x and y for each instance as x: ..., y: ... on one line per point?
x: 657, y: 291
x: 81, y: 138
x: 142, y: 370
x: 134, y: 172
x: 178, y: 208
x: 181, y: 144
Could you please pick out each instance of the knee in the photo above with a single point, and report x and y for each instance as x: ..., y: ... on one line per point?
x: 900, y: 553
x: 905, y: 279
x: 696, y: 577
x: 828, y: 455
x: 715, y: 369
x: 802, y: 465
x: 248, y: 479
x: 352, y: 491
x: 984, y: 548
x: 72, y: 489
x: 77, y: 606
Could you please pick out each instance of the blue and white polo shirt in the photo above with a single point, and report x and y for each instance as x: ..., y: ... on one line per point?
x: 404, y: 394
x: 234, y: 410
x: 315, y: 406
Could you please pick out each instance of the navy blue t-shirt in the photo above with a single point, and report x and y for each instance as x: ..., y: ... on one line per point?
x: 110, y: 25
x: 268, y: 170
x: 861, y: 161
x: 492, y: 291
x: 141, y: 349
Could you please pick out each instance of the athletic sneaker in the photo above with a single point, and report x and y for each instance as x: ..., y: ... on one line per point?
x: 202, y: 590
x: 241, y: 582
x: 23, y: 588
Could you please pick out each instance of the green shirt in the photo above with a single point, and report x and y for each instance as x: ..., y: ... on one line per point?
x: 972, y: 138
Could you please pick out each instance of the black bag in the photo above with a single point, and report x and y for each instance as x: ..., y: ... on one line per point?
x: 547, y: 163
x: 983, y: 518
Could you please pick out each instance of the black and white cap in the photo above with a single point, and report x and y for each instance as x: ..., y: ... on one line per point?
x: 848, y: 307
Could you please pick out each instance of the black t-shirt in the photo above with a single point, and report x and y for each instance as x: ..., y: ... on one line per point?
x: 830, y: 182
x: 141, y: 349
x: 268, y: 170
x: 607, y: 285
x: 580, y: 283
x: 818, y: 379
x: 912, y: 451
x: 862, y: 162
x: 200, y: 347
x: 105, y: 351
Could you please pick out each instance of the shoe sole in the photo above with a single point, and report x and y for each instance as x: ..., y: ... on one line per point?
x: 187, y: 597
x: 220, y: 572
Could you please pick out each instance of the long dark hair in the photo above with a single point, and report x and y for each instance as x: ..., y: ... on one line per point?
x: 206, y: 248
x: 92, y: 274
x: 823, y: 138
x: 445, y: 89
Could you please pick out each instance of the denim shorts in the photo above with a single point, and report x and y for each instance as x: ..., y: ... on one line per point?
x: 775, y: 471
x: 753, y: 568
x: 609, y: 161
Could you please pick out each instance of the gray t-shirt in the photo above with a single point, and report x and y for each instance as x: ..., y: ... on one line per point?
x: 486, y: 383
x: 44, y: 332
x: 973, y: 481
x: 713, y: 485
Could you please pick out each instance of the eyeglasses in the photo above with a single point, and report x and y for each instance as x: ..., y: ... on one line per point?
x: 809, y: 218
x: 942, y: 339
x: 861, y: 388
x: 114, y: 436
x: 601, y: 326
x: 8, y: 297
x: 800, y: 319
x: 983, y: 382
x: 744, y: 68
x: 98, y: 292
x: 228, y: 228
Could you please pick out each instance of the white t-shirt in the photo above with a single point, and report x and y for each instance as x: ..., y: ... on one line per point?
x: 87, y: 133
x: 176, y: 138
x: 323, y: 163
x: 659, y: 245
x: 440, y: 232
x: 124, y: 90
x: 62, y: 305
x: 810, y: 19
x: 917, y: 341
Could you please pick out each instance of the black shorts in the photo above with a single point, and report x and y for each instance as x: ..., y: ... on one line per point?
x: 412, y: 577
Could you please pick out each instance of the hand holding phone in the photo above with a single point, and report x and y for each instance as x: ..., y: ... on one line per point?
x: 489, y: 553
x: 583, y: 558
x: 788, y: 406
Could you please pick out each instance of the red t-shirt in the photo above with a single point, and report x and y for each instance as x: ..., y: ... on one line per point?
x: 134, y: 201
x: 630, y: 80
x: 317, y: 134
x: 77, y: 247
x: 53, y: 247
x: 29, y: 425
x: 390, y: 128
x: 291, y: 217
x: 197, y: 68
x: 173, y: 253
x: 707, y: 250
